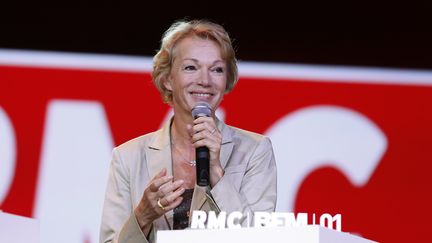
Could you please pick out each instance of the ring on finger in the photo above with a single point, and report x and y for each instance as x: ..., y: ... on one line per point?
x: 214, y: 130
x: 160, y: 204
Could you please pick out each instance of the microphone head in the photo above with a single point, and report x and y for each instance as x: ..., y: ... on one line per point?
x: 201, y: 109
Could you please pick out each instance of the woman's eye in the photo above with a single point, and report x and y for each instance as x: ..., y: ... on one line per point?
x: 218, y: 70
x: 189, y: 68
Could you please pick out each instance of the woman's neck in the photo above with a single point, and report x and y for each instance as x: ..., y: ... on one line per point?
x: 179, y: 132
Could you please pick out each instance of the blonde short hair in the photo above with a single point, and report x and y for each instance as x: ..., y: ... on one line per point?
x: 162, y: 61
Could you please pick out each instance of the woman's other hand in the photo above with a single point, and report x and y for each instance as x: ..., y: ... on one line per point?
x: 160, y: 196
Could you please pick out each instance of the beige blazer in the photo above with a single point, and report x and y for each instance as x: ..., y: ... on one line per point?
x: 248, y: 185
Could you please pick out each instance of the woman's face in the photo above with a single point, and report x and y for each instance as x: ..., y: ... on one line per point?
x: 198, y: 73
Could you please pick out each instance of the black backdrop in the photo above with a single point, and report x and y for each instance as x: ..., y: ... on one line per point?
x: 365, y: 33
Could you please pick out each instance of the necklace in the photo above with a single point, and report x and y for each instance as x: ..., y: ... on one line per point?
x: 187, y: 161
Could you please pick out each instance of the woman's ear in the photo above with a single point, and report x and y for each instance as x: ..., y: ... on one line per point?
x: 167, y: 83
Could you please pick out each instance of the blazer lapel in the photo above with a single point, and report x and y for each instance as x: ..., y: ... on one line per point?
x: 227, y: 143
x: 158, y: 152
x: 158, y: 156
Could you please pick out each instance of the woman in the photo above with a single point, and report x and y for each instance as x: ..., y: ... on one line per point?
x: 152, y: 180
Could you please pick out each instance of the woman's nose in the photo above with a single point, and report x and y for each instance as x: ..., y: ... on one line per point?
x: 204, y: 78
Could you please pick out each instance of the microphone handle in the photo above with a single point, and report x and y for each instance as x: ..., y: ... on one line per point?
x: 202, y: 156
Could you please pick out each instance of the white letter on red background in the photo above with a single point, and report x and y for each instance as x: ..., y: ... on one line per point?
x: 7, y: 154
x: 76, y: 153
x: 321, y: 135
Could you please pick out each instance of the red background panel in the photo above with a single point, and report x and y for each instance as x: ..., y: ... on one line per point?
x: 392, y: 207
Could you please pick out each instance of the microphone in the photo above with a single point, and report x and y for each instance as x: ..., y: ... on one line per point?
x: 202, y: 154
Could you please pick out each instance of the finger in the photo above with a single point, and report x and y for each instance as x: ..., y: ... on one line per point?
x: 202, y: 127
x: 174, y: 204
x: 169, y: 187
x: 160, y: 173
x: 207, y: 136
x: 203, y: 119
x: 158, y: 182
x: 206, y: 130
x: 199, y: 136
x: 169, y: 199
x: 209, y: 122
x: 161, y: 181
x: 211, y: 145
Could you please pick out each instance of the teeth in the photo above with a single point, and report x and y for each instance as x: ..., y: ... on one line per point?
x: 201, y: 94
